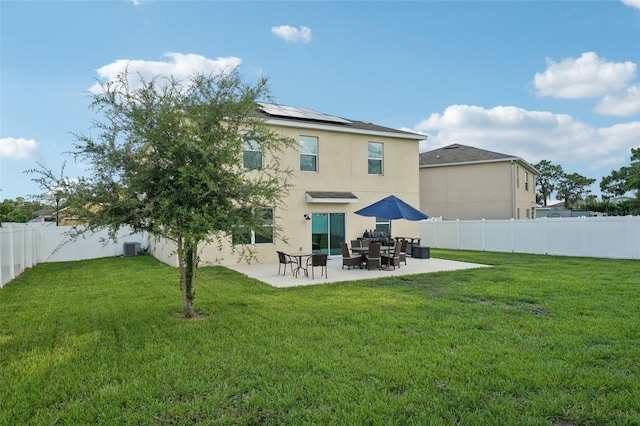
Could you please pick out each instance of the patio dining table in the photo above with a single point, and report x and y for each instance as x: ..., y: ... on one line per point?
x: 365, y: 250
x: 298, y: 257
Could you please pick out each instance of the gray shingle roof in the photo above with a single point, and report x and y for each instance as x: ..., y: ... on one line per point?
x: 460, y: 154
x: 351, y: 125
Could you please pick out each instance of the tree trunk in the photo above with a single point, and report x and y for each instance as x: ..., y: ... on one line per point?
x: 188, y: 261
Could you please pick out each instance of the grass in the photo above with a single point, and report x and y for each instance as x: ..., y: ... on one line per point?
x: 535, y: 340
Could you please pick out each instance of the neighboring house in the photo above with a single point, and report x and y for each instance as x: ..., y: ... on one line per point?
x: 558, y: 208
x: 620, y: 199
x: 339, y: 166
x: 49, y: 215
x: 44, y: 215
x: 462, y: 182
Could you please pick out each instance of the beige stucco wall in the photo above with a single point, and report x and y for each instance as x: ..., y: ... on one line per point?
x: 476, y: 191
x: 342, y: 166
x: 525, y: 192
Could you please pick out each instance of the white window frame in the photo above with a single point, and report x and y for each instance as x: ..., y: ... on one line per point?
x: 306, y: 138
x: 379, y: 159
x: 386, y: 224
x: 251, y: 146
x: 253, y: 235
x: 269, y: 222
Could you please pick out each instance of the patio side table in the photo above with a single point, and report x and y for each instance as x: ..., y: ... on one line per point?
x: 421, y: 252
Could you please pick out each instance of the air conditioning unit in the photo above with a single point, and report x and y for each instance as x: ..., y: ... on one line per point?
x: 130, y: 249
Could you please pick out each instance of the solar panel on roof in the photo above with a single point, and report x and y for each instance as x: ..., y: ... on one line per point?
x: 295, y: 112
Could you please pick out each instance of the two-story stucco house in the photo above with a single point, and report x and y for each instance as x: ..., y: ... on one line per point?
x: 462, y: 182
x: 340, y: 166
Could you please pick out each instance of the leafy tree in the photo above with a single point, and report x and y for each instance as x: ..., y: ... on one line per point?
x: 622, y: 208
x: 633, y: 177
x: 547, y: 178
x: 572, y: 188
x: 19, y: 210
x: 56, y: 189
x: 625, y: 179
x: 168, y: 161
x: 5, y: 209
x: 614, y: 184
x: 590, y: 199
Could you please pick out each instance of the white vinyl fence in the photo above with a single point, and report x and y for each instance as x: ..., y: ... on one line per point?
x: 611, y: 237
x: 25, y: 245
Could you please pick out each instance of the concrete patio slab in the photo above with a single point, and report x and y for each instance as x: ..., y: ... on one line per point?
x: 268, y: 273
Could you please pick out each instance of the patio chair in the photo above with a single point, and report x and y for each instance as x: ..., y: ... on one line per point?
x: 373, y: 257
x: 403, y: 251
x: 392, y: 259
x: 365, y: 243
x: 285, y: 259
x: 355, y: 243
x: 317, y: 259
x: 347, y: 259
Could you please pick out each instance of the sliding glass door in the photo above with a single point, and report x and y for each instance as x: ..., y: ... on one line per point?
x: 327, y: 232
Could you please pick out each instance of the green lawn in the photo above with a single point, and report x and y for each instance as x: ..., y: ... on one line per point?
x: 533, y: 340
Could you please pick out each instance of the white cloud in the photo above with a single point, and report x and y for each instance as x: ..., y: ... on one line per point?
x: 624, y: 103
x: 590, y: 76
x: 180, y: 66
x: 531, y: 135
x: 632, y: 3
x: 18, y: 148
x: 293, y: 35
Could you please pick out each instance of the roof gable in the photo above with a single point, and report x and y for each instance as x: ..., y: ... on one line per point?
x: 457, y: 154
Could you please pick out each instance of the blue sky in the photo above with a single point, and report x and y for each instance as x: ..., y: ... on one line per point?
x: 536, y: 79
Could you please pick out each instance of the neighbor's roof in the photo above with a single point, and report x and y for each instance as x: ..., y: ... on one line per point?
x: 287, y: 116
x: 44, y: 212
x: 457, y: 154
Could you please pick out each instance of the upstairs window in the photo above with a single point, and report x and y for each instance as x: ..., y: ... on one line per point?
x: 309, y: 153
x: 251, y: 155
x: 526, y: 181
x: 374, y: 157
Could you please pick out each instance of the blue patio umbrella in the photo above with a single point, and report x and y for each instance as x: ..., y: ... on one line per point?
x: 390, y: 208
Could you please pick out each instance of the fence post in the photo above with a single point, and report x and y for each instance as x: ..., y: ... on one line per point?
x: 630, y: 238
x: 484, y: 244
x: 435, y: 233
x: 35, y: 234
x: 545, y: 236
x: 457, y: 234
x: 12, y: 274
x: 513, y: 234
x: 583, y: 228
x: 25, y: 235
